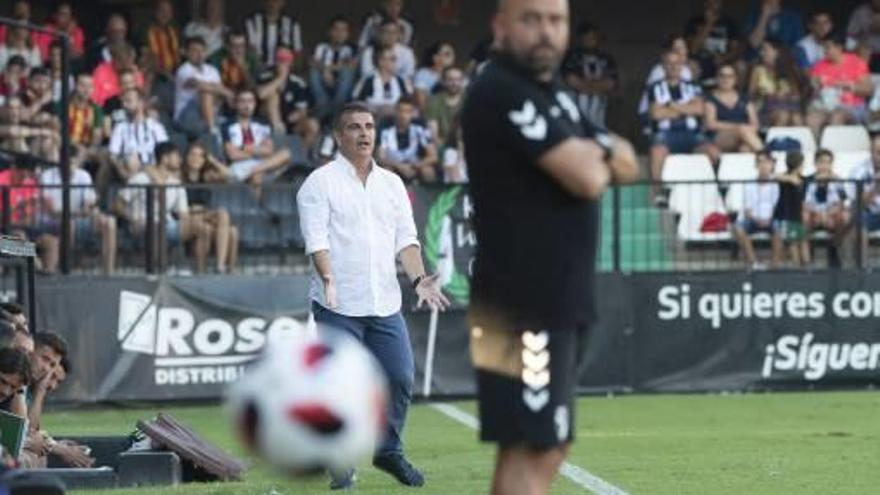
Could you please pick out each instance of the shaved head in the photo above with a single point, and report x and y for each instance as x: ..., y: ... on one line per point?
x: 534, y: 33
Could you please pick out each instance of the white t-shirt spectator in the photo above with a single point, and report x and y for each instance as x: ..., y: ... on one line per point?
x: 820, y: 197
x: 82, y: 194
x: 374, y: 92
x: 406, y: 61
x: 137, y: 137
x: 183, y: 95
x: 176, y: 203
x: 760, y: 198
x: 374, y: 22
x: 31, y: 56
x: 407, y: 146
x: 213, y: 36
x: 864, y: 173
x: 236, y: 134
x: 809, y: 51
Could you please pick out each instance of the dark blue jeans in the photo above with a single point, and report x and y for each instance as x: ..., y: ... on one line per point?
x: 388, y: 339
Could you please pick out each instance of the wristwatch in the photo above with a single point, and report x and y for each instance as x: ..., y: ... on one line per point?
x: 604, y: 140
x: 417, y: 281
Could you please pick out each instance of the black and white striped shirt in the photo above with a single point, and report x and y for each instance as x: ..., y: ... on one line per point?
x: 327, y: 54
x: 373, y: 91
x: 406, y: 146
x: 662, y: 93
x: 264, y: 37
x: 374, y: 21
x: 140, y: 138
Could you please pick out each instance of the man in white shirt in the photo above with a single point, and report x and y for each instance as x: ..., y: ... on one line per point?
x: 356, y: 220
x: 180, y: 226
x: 249, y: 145
x: 133, y: 140
x: 198, y: 91
x: 389, y: 37
x: 759, y: 201
x: 810, y: 49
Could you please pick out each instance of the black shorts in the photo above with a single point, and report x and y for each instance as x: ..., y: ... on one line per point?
x: 526, y: 382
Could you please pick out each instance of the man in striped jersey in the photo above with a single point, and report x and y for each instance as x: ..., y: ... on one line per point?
x: 270, y: 28
x: 407, y: 147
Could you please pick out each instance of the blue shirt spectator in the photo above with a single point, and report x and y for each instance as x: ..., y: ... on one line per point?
x: 771, y: 20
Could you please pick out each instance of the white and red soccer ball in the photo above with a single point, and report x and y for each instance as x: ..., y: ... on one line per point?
x: 311, y: 403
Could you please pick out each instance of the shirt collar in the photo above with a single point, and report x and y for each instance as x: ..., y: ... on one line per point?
x: 344, y: 165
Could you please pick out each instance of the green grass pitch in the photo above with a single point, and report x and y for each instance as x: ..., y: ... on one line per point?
x: 816, y: 443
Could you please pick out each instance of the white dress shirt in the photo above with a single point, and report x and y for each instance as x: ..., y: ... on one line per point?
x: 364, y: 227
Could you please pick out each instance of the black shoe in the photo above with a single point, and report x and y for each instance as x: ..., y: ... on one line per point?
x: 342, y: 480
x: 396, y: 465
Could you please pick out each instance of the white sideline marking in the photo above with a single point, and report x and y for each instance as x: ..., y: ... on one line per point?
x: 577, y: 475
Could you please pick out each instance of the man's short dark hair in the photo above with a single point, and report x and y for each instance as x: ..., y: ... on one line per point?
x: 793, y: 160
x: 246, y: 89
x: 164, y: 149
x: 39, y: 71
x: 15, y: 362
x: 350, y: 108
x: 51, y: 340
x: 378, y: 51
x: 194, y: 39
x: 824, y: 152
x: 12, y: 308
x: 407, y: 100
x: 17, y: 60
x: 337, y: 18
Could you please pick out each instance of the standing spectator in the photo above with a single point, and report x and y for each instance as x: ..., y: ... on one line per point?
x: 64, y: 21
x: 199, y: 169
x: 161, y: 44
x: 842, y: 83
x: 14, y: 78
x: 237, y: 65
x: 248, y: 144
x: 106, y: 74
x: 773, y: 21
x: 759, y: 202
x: 713, y: 38
x: 381, y: 90
x: 116, y: 33
x: 286, y: 98
x: 591, y: 72
x: 810, y: 49
x: 676, y: 107
x: 211, y: 27
x: 390, y: 10
x: 825, y: 202
x: 404, y: 60
x: 179, y: 224
x: 730, y: 116
x: 114, y: 113
x: 407, y: 147
x: 199, y: 92
x: 19, y: 42
x: 332, y: 74
x: 788, y: 218
x: 863, y: 30
x: 271, y: 28
x: 133, y: 141
x: 438, y: 57
x: 87, y: 218
x: 443, y: 108
x: 776, y: 87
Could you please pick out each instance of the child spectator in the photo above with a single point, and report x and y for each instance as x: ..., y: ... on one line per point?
x: 591, y: 72
x: 407, y: 147
x: 776, y: 88
x: 825, y: 203
x: 382, y: 90
x: 759, y: 201
x: 730, y: 117
x: 788, y: 215
x: 438, y: 57
x: 332, y: 74
x: 842, y: 82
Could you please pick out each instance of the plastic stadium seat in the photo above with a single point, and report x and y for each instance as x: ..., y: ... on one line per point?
x: 737, y: 166
x: 841, y: 138
x: 846, y: 161
x: 687, y: 168
x: 802, y: 134
x: 694, y: 202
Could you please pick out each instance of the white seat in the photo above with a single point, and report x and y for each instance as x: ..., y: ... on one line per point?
x: 801, y: 134
x: 737, y: 166
x: 694, y: 202
x: 687, y: 168
x: 845, y: 162
x: 845, y: 138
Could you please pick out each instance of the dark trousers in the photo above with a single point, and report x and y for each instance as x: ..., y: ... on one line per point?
x: 388, y: 339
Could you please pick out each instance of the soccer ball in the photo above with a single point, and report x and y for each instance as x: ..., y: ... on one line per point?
x: 311, y: 403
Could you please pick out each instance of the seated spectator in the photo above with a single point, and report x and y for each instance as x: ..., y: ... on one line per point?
x: 407, y: 147
x: 689, y: 72
x: 25, y: 207
x: 382, y: 90
x: 14, y: 78
x: 862, y: 31
x: 53, y: 65
x: 271, y: 28
x: 788, y: 218
x: 713, y: 38
x: 776, y: 88
x: 63, y: 20
x: 842, y: 83
x: 389, y: 10
x: 773, y: 21
x: 132, y: 141
x: 21, y: 9
x: 443, y: 107
x: 731, y: 118
x: 238, y: 67
x: 866, y: 175
x: 19, y: 134
x: 676, y: 108
x: 113, y: 111
x: 200, y: 168
x: 591, y: 72
x: 389, y: 38
x: 116, y: 33
x: 85, y: 121
x: 286, y: 99
x: 199, y: 92
x: 810, y: 49
x: 19, y: 42
x: 179, y: 224
x: 210, y: 26
x: 39, y: 109
x: 438, y: 57
x: 332, y: 74
x: 759, y: 202
x: 106, y: 75
x: 15, y: 374
x: 249, y: 146
x: 825, y: 203
x: 453, y: 158
x: 161, y: 44
x: 87, y: 219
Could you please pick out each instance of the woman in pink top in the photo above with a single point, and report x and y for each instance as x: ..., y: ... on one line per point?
x: 842, y: 82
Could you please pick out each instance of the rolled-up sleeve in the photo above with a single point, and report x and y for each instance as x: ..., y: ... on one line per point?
x: 314, y: 215
x: 405, y: 234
